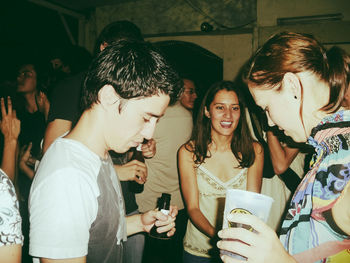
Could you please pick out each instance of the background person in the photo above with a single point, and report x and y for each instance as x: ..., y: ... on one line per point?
x: 172, y: 130
x: 11, y: 238
x: 189, y: 95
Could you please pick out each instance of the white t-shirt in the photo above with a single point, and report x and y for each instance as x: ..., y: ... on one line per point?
x: 63, y: 201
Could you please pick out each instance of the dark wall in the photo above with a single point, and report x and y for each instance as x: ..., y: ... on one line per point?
x: 29, y: 31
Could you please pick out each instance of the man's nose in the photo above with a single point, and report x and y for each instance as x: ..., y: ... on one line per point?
x: 148, y: 130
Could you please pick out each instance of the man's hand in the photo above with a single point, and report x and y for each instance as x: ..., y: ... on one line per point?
x: 149, y: 148
x: 164, y: 223
x: 132, y: 171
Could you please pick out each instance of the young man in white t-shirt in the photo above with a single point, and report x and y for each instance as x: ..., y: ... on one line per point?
x: 76, y: 205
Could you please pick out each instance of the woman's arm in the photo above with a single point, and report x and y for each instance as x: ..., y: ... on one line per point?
x: 281, y: 156
x: 11, y: 253
x: 254, y: 177
x: 189, y: 187
x: 54, y: 130
x: 10, y: 128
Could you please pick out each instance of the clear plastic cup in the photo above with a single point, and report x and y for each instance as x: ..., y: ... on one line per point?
x: 245, y: 202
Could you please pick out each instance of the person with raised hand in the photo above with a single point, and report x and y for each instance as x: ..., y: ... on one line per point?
x: 10, y: 128
x: 11, y: 238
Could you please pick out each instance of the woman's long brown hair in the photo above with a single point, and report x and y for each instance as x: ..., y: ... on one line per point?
x: 242, y: 141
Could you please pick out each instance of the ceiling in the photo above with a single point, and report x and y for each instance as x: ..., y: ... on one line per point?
x: 81, y: 5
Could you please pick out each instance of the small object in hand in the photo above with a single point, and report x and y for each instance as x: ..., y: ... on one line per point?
x: 164, y: 207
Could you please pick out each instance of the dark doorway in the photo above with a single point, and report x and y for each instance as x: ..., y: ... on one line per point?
x: 193, y: 62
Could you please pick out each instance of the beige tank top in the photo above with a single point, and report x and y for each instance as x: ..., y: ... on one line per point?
x: 211, y: 197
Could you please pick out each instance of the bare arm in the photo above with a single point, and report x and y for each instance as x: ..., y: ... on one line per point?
x: 55, y: 129
x: 190, y: 192
x: 10, y: 128
x: 11, y: 253
x: 9, y: 159
x: 281, y: 156
x: 66, y: 260
x: 254, y: 178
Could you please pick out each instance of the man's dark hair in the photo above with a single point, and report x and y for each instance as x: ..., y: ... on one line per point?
x: 135, y: 69
x: 114, y: 31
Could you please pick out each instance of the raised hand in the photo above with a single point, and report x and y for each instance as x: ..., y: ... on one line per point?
x: 10, y: 125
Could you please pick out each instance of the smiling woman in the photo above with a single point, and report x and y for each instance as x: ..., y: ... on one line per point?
x: 220, y: 155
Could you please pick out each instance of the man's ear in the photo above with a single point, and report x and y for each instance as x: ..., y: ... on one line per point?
x: 107, y: 97
x: 291, y: 83
x: 206, y: 112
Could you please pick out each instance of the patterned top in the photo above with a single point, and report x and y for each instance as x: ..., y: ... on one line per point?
x: 308, y: 231
x: 211, y: 197
x: 10, y: 219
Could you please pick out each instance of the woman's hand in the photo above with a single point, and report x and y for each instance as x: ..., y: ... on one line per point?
x: 26, y: 161
x: 259, y: 246
x: 9, y: 124
x: 164, y: 223
x: 10, y: 127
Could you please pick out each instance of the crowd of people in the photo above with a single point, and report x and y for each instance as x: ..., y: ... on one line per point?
x: 69, y: 169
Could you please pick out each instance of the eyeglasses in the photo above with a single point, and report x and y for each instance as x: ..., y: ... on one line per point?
x: 189, y: 91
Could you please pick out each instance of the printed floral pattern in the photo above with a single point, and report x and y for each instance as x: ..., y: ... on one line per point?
x: 306, y: 231
x: 10, y: 219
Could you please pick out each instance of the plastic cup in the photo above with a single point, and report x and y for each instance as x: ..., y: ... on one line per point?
x: 245, y: 202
